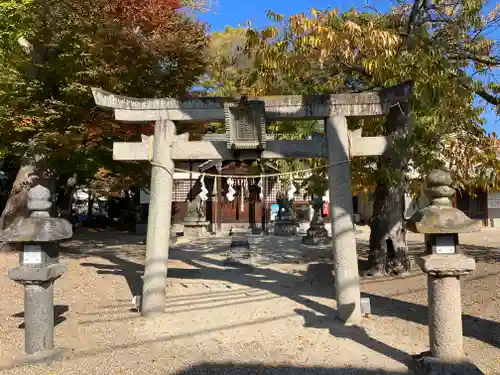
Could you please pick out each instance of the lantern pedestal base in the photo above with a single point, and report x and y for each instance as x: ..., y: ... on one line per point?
x: 317, y: 235
x: 285, y: 227
x: 425, y: 364
x: 38, y: 283
x: 445, y: 315
x: 195, y: 229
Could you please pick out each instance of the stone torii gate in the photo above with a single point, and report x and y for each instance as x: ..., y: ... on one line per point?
x: 246, y: 138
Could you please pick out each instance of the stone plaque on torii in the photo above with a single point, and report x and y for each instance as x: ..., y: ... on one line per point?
x: 246, y: 138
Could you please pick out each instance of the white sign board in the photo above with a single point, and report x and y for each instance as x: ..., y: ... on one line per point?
x: 493, y: 203
x: 32, y: 254
x: 493, y: 199
x: 445, y: 245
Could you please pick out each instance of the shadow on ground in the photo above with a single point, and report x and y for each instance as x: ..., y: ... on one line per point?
x: 230, y: 368
x: 317, y: 281
x: 59, y: 310
x: 250, y: 368
x: 483, y: 254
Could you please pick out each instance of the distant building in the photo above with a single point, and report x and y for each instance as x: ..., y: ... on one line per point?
x: 246, y: 210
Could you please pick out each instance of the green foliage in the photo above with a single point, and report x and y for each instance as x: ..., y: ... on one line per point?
x: 46, y: 105
x: 227, y: 63
x: 13, y: 25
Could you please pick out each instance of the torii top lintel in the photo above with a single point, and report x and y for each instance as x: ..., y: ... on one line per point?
x: 276, y: 107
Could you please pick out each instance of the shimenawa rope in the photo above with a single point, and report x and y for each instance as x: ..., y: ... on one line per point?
x: 150, y: 158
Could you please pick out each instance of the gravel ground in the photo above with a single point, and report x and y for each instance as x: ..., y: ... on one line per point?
x: 278, y: 319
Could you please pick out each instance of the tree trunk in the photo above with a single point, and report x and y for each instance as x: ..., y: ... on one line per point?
x: 388, y: 249
x: 16, y: 204
x: 65, y: 200
x: 30, y: 173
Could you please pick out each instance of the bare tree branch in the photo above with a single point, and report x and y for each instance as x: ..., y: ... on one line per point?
x: 468, y: 84
x: 413, y: 16
x: 490, y: 98
x: 487, y: 60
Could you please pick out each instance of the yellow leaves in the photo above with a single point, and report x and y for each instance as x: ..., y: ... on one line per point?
x: 305, y: 40
x: 252, y: 38
x: 352, y: 27
x: 315, y: 13
x: 370, y: 66
x: 368, y: 49
x: 381, y: 42
x: 269, y: 32
x: 276, y: 17
x: 471, y: 157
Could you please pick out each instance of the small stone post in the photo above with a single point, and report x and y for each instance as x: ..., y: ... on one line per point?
x: 39, y: 268
x: 444, y: 265
x: 345, y: 258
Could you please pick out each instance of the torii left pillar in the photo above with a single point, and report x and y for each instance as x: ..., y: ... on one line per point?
x: 345, y: 259
x: 160, y: 209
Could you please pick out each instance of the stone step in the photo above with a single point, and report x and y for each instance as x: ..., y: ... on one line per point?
x: 239, y: 253
x: 239, y: 230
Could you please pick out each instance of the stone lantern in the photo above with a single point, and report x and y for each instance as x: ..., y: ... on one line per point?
x: 38, y: 269
x: 444, y: 264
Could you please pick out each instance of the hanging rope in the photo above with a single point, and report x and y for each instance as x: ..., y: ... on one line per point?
x: 290, y: 173
x: 246, y: 177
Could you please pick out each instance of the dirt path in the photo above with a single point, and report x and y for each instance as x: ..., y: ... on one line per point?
x: 223, y: 320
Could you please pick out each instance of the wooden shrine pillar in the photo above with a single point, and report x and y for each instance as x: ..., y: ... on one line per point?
x: 220, y: 199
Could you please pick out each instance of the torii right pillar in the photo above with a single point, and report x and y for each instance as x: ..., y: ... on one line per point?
x: 345, y: 258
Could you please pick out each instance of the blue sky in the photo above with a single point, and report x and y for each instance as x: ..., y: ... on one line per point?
x: 236, y: 12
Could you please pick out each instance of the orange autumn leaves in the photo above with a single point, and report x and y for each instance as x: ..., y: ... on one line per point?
x: 148, y: 15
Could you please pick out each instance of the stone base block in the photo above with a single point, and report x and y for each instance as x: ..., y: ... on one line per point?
x: 285, y: 228
x: 239, y: 253
x: 238, y: 231
x: 45, y: 357
x: 427, y: 365
x: 447, y: 264
x: 316, y: 240
x: 316, y: 235
x: 37, y: 274
x: 256, y: 230
x: 196, y: 228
